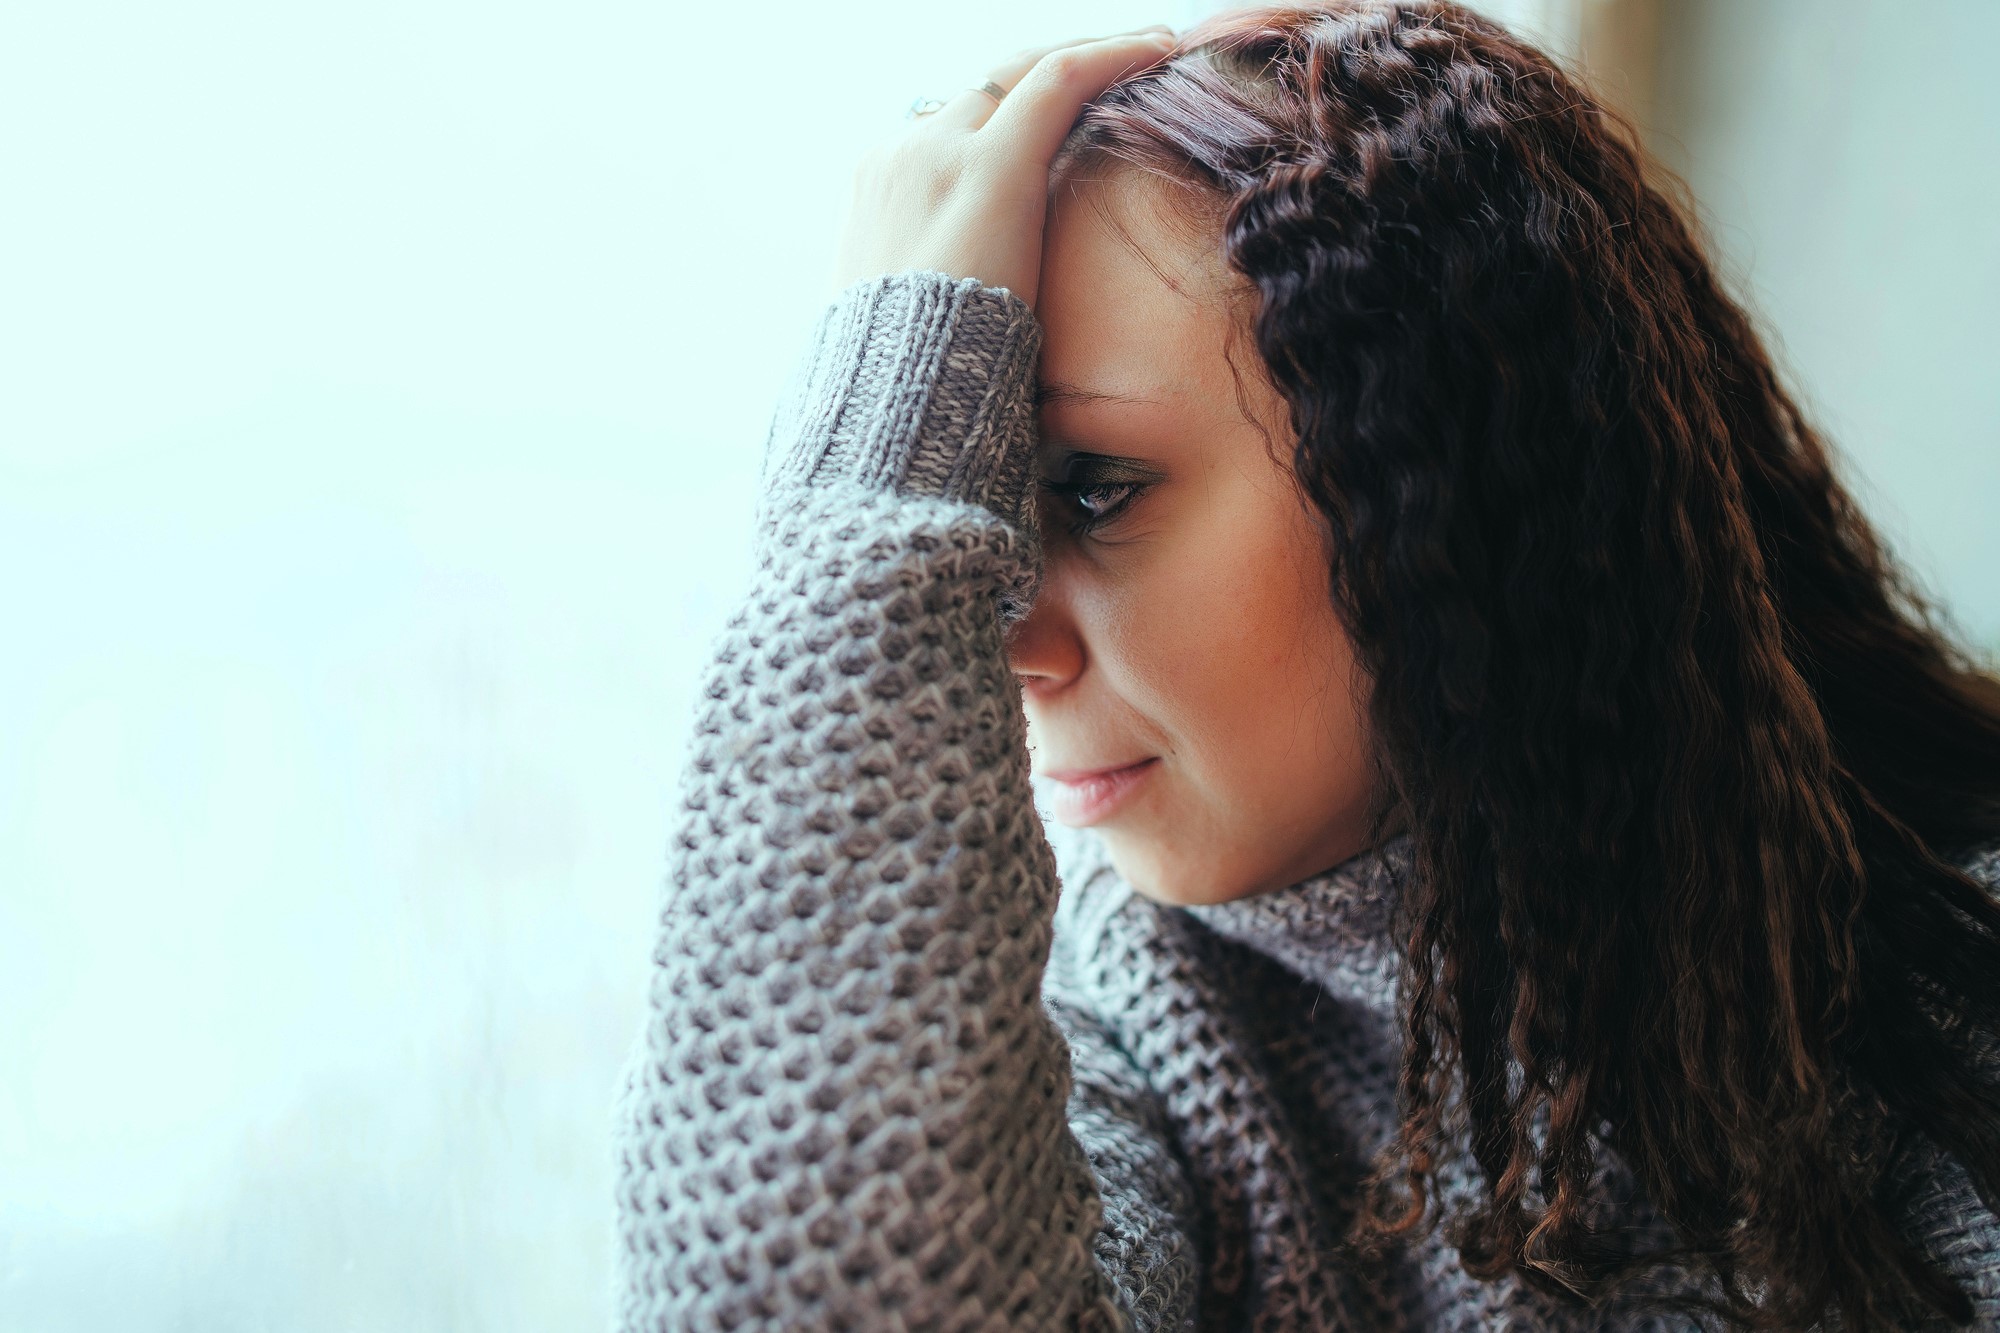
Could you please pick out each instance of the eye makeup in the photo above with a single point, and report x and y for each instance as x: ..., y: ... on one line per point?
x: 1102, y: 488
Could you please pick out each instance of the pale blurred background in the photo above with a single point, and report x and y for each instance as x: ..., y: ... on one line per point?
x: 381, y: 391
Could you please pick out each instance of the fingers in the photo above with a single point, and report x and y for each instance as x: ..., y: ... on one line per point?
x: 972, y: 109
x: 1050, y: 92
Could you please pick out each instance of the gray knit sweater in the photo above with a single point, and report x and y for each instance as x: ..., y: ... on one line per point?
x: 912, y: 1061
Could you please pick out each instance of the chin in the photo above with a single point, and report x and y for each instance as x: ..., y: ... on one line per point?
x: 1155, y: 874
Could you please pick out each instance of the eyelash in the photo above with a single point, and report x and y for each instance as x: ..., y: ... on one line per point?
x: 1073, y: 490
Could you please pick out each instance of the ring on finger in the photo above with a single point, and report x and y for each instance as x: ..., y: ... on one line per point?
x: 924, y: 106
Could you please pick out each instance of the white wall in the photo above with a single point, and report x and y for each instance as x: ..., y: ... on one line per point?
x: 1848, y: 155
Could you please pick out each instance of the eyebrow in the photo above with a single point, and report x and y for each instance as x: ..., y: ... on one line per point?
x: 1051, y: 392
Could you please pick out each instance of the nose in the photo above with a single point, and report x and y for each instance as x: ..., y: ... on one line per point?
x: 1044, y: 648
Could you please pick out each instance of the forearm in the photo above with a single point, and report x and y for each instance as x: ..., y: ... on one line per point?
x: 847, y: 1109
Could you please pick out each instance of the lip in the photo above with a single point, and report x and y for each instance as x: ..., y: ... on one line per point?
x: 1088, y: 796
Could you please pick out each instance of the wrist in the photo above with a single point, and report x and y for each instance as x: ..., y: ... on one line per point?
x: 919, y: 382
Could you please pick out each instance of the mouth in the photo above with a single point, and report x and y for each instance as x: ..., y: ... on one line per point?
x: 1074, y: 776
x: 1090, y: 796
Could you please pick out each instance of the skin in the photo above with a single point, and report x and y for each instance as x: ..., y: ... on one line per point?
x: 1195, y: 625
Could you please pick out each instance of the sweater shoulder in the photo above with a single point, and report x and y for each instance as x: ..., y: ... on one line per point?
x: 1942, y: 1207
x: 1982, y: 862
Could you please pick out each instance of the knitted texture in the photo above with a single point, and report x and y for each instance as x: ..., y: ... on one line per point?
x: 912, y: 1061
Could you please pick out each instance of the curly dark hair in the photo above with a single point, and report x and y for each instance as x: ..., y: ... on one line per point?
x: 1685, y: 757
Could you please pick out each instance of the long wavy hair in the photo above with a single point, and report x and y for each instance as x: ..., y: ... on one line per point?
x: 1686, y: 759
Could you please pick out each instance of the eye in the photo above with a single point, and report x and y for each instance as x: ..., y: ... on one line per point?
x: 1100, y: 486
x: 1101, y: 500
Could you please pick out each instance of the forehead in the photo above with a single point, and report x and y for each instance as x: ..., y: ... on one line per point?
x: 1128, y: 301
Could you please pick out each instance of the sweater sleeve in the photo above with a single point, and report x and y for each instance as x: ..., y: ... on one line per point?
x: 847, y: 1106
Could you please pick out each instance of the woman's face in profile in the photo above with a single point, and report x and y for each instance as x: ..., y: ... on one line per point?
x: 1192, y: 627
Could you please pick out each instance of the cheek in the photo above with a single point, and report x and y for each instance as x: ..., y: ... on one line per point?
x: 1244, y: 660
x: 1287, y: 686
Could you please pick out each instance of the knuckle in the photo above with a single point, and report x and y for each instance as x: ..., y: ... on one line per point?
x: 1061, y: 67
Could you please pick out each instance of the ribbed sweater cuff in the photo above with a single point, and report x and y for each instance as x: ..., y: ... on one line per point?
x: 919, y: 382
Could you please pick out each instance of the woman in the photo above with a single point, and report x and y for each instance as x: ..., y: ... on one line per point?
x: 1529, y: 852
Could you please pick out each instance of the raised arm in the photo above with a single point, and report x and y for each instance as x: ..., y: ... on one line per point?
x: 848, y: 1108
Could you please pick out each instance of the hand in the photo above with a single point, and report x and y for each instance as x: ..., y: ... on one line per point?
x: 966, y: 190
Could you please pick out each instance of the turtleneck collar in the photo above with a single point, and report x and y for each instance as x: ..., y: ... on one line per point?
x: 1332, y: 928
